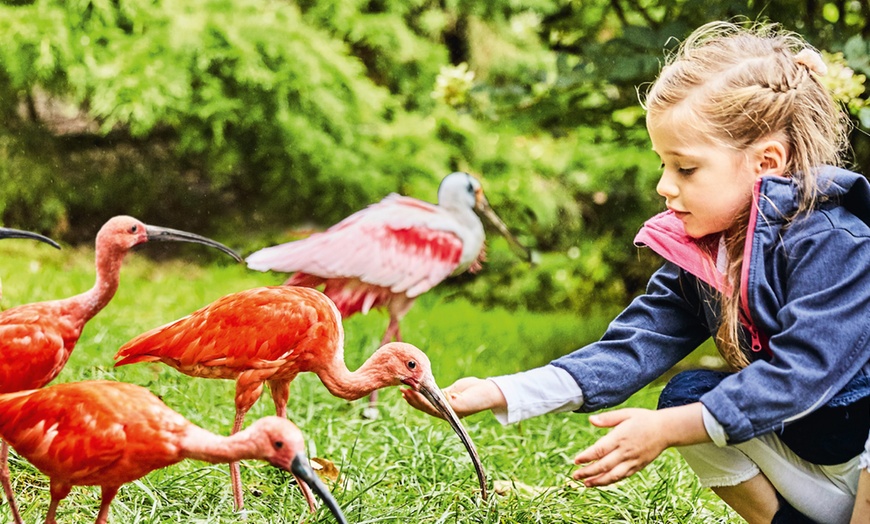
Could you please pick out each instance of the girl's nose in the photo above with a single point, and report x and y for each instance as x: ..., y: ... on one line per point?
x: 666, y: 186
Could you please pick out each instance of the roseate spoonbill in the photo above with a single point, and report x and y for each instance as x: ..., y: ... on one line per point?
x: 103, y: 433
x: 37, y: 339
x: 271, y: 334
x: 387, y: 254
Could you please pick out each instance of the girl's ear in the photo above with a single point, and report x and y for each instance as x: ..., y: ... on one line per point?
x: 770, y: 158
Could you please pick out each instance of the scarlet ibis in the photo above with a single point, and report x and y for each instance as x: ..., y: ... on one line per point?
x: 271, y: 334
x: 37, y: 339
x: 387, y: 254
x: 103, y: 433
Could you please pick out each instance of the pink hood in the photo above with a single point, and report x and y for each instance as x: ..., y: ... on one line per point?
x: 666, y: 235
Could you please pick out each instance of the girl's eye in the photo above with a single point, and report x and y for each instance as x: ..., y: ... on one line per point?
x: 684, y: 171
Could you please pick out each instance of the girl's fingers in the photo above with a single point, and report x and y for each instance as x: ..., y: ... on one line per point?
x: 608, y: 477
x: 418, y: 401
x: 591, y: 470
x: 609, y: 459
x: 599, y: 461
x: 608, y: 419
x: 595, y: 452
x: 608, y: 469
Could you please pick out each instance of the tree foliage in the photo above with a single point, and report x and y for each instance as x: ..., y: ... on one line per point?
x: 250, y: 118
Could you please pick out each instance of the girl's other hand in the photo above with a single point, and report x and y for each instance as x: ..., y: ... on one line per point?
x: 466, y: 396
x: 636, y: 440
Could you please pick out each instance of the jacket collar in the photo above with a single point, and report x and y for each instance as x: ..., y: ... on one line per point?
x: 778, y: 197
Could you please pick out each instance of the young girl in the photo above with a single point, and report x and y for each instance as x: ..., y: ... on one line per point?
x: 767, y: 249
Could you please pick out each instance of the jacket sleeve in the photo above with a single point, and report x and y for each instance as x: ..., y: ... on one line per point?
x: 819, y: 335
x: 652, y: 334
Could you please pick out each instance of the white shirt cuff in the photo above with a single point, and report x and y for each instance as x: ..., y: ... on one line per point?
x: 714, y: 428
x: 538, y: 391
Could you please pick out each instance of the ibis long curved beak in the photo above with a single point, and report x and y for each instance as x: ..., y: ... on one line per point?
x: 165, y: 234
x: 303, y: 473
x: 482, y: 205
x: 430, y: 390
x: 6, y: 232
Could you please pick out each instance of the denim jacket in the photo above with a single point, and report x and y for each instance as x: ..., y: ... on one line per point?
x: 806, y: 303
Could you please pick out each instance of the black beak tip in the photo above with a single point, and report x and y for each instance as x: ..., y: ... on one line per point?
x: 162, y: 234
x: 444, y: 408
x: 303, y: 471
x: 17, y: 233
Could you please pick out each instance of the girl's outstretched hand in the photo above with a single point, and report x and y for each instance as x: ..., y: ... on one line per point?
x: 638, y: 437
x: 466, y: 396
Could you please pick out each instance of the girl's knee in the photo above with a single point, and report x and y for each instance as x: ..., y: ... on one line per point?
x: 689, y: 386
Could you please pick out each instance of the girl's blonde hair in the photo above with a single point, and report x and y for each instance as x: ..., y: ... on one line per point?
x: 744, y: 83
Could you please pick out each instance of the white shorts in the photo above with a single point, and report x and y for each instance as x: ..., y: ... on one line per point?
x: 822, y: 493
x: 865, y: 457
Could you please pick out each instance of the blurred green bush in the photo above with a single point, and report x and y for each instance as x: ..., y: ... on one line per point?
x: 251, y: 120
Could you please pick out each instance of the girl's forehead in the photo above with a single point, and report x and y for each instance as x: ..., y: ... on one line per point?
x: 679, y: 116
x: 677, y: 129
x: 669, y: 135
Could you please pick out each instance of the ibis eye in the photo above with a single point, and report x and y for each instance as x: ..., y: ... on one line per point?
x: 134, y: 229
x: 279, y: 444
x: 412, y: 364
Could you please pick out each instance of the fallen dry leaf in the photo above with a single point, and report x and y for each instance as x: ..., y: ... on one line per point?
x: 325, y: 469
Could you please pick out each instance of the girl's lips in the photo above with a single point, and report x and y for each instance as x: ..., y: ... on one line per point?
x: 679, y: 214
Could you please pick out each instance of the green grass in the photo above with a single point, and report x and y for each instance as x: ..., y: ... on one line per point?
x: 404, y: 467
